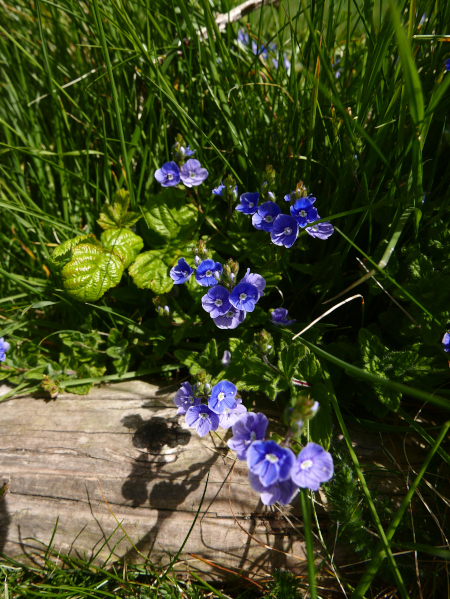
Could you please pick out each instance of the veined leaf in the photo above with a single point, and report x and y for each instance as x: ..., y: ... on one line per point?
x: 149, y: 271
x: 124, y: 243
x: 63, y: 253
x: 91, y: 271
x: 116, y: 216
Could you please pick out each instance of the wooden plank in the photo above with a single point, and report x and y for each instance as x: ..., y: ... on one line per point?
x: 127, y: 441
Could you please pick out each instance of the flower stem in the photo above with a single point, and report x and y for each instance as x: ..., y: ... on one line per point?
x: 309, y: 542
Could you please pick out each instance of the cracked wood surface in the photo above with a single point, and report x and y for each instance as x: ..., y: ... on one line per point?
x: 127, y: 441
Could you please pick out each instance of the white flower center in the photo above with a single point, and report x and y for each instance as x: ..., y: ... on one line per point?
x: 229, y: 314
x: 218, y: 302
x: 243, y: 296
x: 268, y: 219
x: 306, y: 465
x: 221, y: 396
x: 303, y: 213
x: 208, y: 273
x: 272, y: 458
x: 253, y: 436
x: 191, y: 399
x: 203, y: 416
x: 251, y: 205
x: 287, y: 231
x: 184, y: 273
x: 192, y: 174
x: 169, y: 176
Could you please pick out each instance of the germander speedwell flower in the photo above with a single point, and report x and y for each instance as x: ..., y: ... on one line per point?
x: 303, y: 210
x: 181, y: 272
x: 184, y: 398
x: 231, y: 319
x: 223, y: 395
x: 216, y: 301
x: 249, y: 428
x: 206, y: 271
x: 202, y: 419
x: 270, y: 462
x: 313, y: 466
x: 267, y: 213
x: 4, y: 347
x: 248, y: 203
x: 192, y: 173
x: 285, y: 230
x: 168, y: 175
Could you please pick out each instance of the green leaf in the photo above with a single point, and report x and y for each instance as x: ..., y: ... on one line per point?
x: 63, y: 253
x: 309, y: 369
x: 124, y: 243
x: 149, y: 271
x: 91, y: 271
x: 118, y: 350
x: 168, y: 218
x: 117, y: 215
x: 289, y: 358
x: 410, y: 74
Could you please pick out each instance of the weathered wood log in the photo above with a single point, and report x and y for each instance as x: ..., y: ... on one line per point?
x: 123, y: 447
x: 126, y: 441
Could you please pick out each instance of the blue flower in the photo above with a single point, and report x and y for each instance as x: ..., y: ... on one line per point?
x: 4, y: 347
x: 231, y: 416
x: 231, y: 319
x: 321, y: 230
x: 313, y: 466
x: 280, y: 317
x: 223, y: 395
x: 285, y: 230
x: 216, y: 301
x: 254, y: 279
x: 267, y: 213
x: 168, y: 175
x: 270, y: 462
x: 202, y: 419
x: 187, y: 151
x: 244, y: 297
x: 243, y: 37
x: 249, y: 428
x: 205, y: 272
x: 218, y: 191
x: 283, y: 492
x: 184, y: 398
x: 445, y: 344
x: 447, y: 65
x: 192, y: 173
x: 181, y: 272
x: 262, y: 49
x: 226, y: 358
x: 304, y: 212
x: 248, y: 203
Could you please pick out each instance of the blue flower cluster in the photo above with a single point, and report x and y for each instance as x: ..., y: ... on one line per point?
x: 4, y: 347
x: 274, y: 471
x: 189, y: 172
x: 445, y: 342
x: 227, y: 305
x: 284, y: 228
x: 223, y: 409
x: 263, y: 50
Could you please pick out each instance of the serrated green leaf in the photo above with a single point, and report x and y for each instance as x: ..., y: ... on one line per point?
x: 289, y: 358
x: 309, y: 369
x: 63, y: 253
x: 149, y: 271
x: 168, y: 219
x: 91, y: 272
x: 116, y: 216
x: 122, y: 242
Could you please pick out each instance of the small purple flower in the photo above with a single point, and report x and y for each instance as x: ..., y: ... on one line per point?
x: 242, y: 37
x: 181, y: 272
x: 231, y: 319
x: 4, y: 347
x: 267, y: 213
x: 248, y: 203
x: 216, y: 301
x: 254, y: 279
x: 249, y: 428
x: 226, y: 358
x: 321, y: 230
x: 283, y: 492
x: 223, y: 395
x: 270, y: 462
x: 231, y: 416
x: 280, y: 318
x: 206, y: 271
x: 285, y: 230
x: 313, y: 466
x: 202, y: 419
x: 262, y: 49
x: 192, y: 173
x: 187, y: 151
x: 303, y: 210
x: 447, y: 65
x: 218, y: 191
x: 168, y: 175
x: 184, y: 398
x: 445, y: 343
x: 244, y: 297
